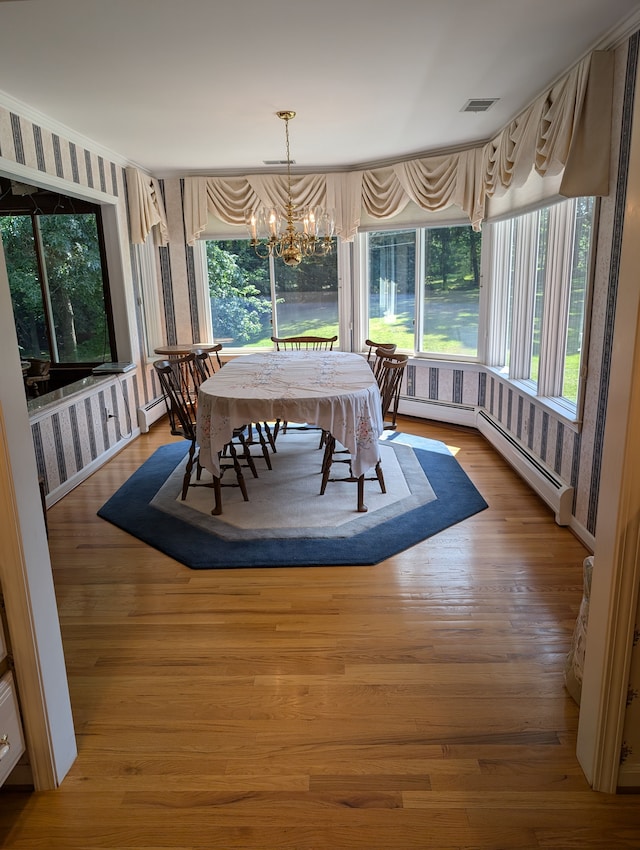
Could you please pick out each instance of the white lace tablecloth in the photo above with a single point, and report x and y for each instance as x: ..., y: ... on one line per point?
x: 333, y: 390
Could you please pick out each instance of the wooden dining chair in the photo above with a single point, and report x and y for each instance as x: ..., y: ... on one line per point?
x: 391, y: 368
x: 206, y: 363
x: 177, y: 389
x: 375, y: 352
x: 372, y: 347
x: 302, y: 343
x: 183, y: 424
x: 392, y: 371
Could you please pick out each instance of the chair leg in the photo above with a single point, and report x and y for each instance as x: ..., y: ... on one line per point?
x: 326, y: 462
x: 271, y: 435
x: 380, y: 477
x: 263, y: 445
x: 362, y: 508
x: 187, y: 474
x: 246, y: 454
x: 238, y: 471
x: 217, y: 493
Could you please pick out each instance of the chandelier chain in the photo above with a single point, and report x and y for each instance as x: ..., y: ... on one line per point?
x: 286, y: 131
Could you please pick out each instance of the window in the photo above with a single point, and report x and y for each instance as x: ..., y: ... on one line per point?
x: 538, y: 295
x: 391, y: 259
x: 424, y: 289
x: 144, y: 270
x: 55, y: 264
x: 539, y: 291
x: 578, y: 294
x: 451, y: 277
x: 253, y: 299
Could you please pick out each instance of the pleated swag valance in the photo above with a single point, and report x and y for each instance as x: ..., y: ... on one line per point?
x: 146, y: 207
x: 567, y: 130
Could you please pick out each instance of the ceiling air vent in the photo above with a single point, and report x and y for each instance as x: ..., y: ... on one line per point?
x: 479, y: 104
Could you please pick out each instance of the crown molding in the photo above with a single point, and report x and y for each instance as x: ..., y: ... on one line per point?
x: 620, y: 33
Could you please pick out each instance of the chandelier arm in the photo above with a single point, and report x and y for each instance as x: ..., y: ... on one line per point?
x: 263, y: 250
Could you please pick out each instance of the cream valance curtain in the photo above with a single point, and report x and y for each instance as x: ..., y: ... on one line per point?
x: 565, y: 130
x: 146, y: 207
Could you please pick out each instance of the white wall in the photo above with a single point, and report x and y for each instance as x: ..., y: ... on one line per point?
x: 25, y: 575
x: 605, y: 715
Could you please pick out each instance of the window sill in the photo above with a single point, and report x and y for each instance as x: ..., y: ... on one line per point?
x: 559, y: 407
x: 445, y: 362
x: 43, y: 405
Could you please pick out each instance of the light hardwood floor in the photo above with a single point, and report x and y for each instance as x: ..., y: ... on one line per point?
x: 418, y: 703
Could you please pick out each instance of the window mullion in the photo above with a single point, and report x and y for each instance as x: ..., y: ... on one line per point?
x: 344, y: 263
x: 360, y: 290
x: 524, y: 287
x: 44, y: 286
x: 557, y: 285
x: 499, y: 285
x: 144, y: 261
x: 203, y: 296
x: 420, y: 277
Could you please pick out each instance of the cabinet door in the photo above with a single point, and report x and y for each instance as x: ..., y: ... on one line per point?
x: 11, y: 739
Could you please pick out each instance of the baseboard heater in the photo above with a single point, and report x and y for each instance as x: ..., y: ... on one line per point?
x: 546, y: 483
x: 150, y: 413
x: 438, y: 411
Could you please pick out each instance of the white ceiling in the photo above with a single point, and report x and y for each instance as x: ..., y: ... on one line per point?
x: 192, y: 86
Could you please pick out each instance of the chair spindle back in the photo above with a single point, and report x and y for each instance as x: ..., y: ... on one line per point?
x: 174, y: 376
x: 392, y: 368
x: 301, y: 343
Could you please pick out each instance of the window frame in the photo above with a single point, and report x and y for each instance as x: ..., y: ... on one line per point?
x: 152, y: 327
x: 509, y: 355
x: 498, y: 335
x: 47, y: 207
x: 363, y: 303
x: 343, y: 256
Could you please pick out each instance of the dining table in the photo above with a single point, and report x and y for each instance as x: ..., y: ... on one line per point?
x: 332, y: 390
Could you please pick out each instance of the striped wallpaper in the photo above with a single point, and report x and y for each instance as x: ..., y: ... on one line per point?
x: 41, y: 149
x: 74, y: 436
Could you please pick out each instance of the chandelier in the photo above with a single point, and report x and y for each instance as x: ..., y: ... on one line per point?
x: 293, y: 232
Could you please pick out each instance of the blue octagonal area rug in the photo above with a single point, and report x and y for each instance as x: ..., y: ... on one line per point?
x: 286, y: 522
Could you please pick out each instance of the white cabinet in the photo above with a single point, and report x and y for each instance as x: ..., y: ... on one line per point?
x: 11, y: 739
